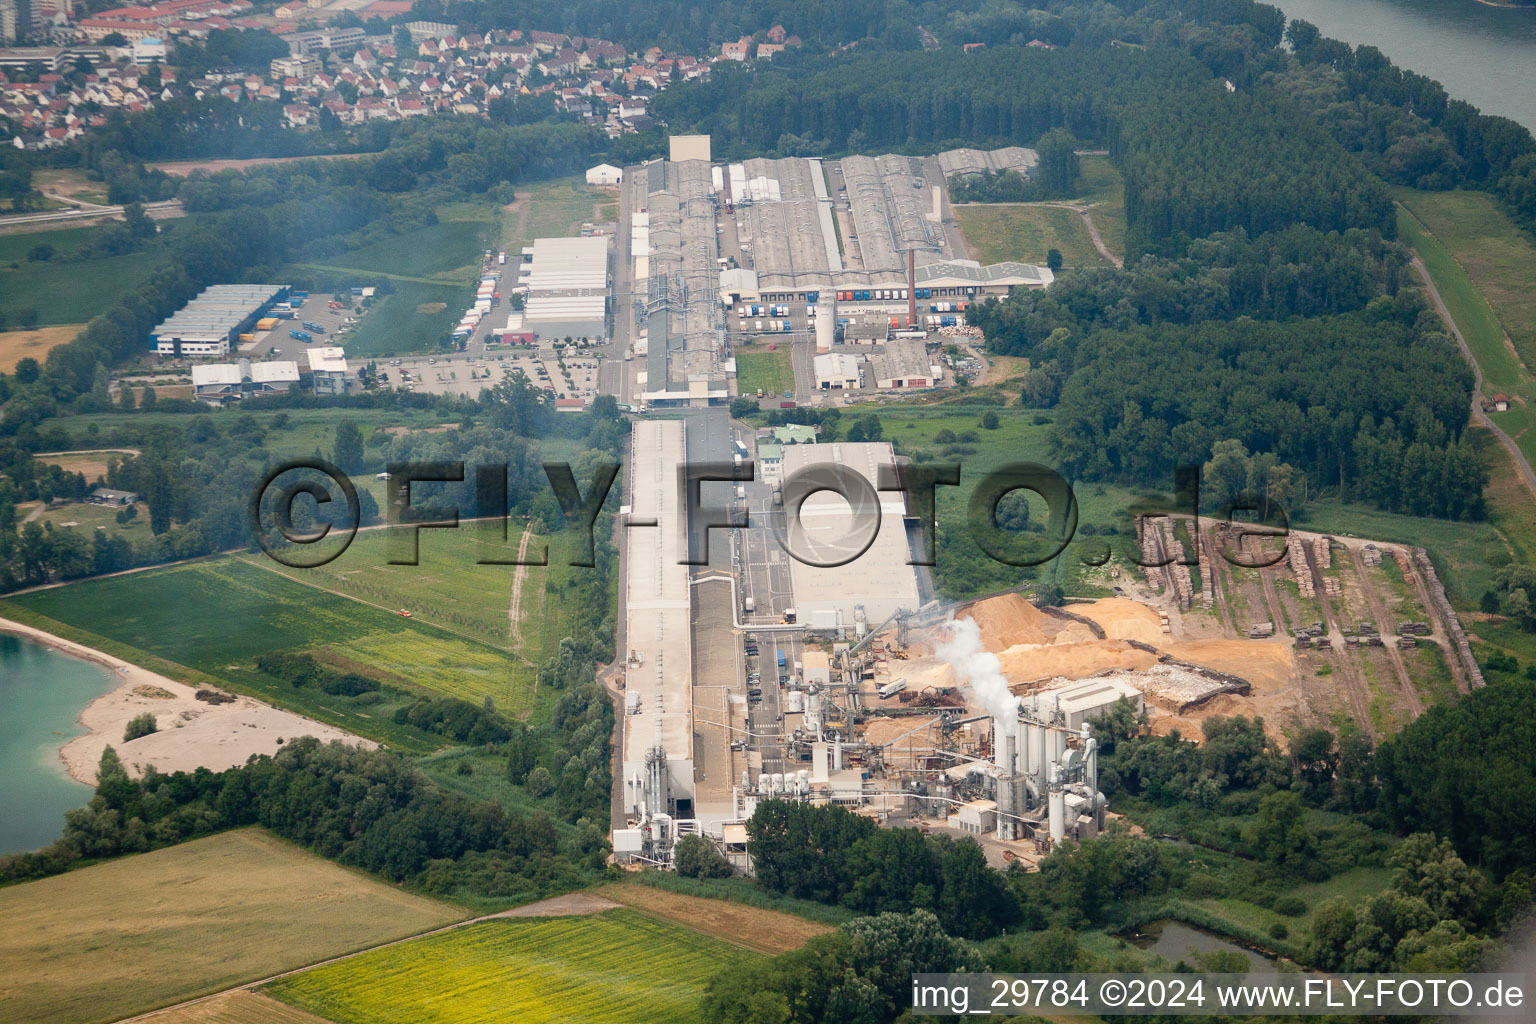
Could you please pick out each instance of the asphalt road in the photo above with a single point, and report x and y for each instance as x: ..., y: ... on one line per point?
x: 87, y: 211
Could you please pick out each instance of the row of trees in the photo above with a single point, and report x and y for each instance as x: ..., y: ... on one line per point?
x: 830, y: 855
x: 371, y: 809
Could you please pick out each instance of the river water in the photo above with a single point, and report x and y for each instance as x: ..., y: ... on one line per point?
x: 41, y: 693
x: 1482, y: 54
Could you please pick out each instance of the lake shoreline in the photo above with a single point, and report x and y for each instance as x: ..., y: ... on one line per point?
x: 192, y: 733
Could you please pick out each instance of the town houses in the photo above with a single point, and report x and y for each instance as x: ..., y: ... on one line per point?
x: 343, y: 75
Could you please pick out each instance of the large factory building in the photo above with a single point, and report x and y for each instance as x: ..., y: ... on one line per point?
x: 657, y: 725
x: 847, y: 588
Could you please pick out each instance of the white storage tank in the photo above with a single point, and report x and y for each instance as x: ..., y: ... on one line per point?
x: 824, y: 334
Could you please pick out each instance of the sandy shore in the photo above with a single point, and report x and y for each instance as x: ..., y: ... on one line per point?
x: 192, y: 734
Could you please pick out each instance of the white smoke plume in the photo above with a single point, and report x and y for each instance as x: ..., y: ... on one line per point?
x: 978, y: 670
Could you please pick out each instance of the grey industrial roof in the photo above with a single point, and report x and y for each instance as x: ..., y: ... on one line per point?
x: 218, y: 309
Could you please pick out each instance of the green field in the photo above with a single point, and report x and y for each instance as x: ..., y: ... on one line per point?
x: 14, y: 248
x: 209, y: 621
x: 554, y: 208
x: 1495, y: 254
x: 771, y: 371
x: 1479, y: 326
x: 449, y: 250
x: 69, y: 293
x: 1023, y: 232
x: 140, y: 932
x: 86, y: 519
x: 616, y: 967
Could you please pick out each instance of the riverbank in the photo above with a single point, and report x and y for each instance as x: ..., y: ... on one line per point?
x: 191, y: 733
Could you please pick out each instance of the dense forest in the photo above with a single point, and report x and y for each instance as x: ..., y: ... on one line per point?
x: 1371, y: 402
x: 1264, y: 341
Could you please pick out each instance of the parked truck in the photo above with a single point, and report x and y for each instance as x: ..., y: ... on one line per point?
x: 301, y: 336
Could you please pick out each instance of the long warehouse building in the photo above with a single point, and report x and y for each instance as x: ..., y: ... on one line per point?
x: 212, y: 322
x: 567, y: 283
x: 658, y: 668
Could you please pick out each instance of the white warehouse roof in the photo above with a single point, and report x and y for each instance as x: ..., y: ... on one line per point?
x: 542, y: 308
x: 216, y: 374
x: 327, y: 359
x: 879, y: 579
x: 569, y: 264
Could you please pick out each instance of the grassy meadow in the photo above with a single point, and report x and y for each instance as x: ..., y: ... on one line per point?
x: 618, y: 967
x: 771, y: 371
x: 1027, y: 232
x: 555, y: 208
x: 68, y: 293
x: 144, y: 931
x: 207, y: 622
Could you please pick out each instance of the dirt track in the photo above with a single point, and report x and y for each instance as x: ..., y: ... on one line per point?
x: 182, y: 168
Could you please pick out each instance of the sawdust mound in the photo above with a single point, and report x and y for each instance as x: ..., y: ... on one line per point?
x: 1009, y: 620
x: 1123, y: 619
x: 1267, y: 664
x: 1275, y: 709
x: 1024, y: 663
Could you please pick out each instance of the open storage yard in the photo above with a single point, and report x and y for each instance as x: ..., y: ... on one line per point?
x: 617, y: 967
x: 106, y: 941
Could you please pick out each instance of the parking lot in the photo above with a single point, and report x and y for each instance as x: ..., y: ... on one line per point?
x: 315, y: 309
x: 467, y: 373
